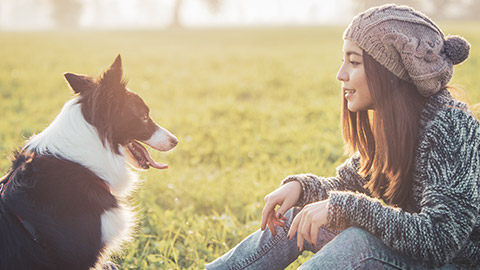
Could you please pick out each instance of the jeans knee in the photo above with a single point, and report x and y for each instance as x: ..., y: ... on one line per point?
x: 355, y: 240
x: 355, y: 234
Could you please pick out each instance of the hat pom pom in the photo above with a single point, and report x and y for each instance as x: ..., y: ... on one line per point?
x: 456, y: 48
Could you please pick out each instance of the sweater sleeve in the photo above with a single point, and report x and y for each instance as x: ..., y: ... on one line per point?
x: 315, y: 188
x: 448, y: 165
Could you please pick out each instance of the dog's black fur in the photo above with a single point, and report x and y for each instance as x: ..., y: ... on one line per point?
x: 63, y: 202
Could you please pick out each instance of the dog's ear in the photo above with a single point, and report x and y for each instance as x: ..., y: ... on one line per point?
x: 79, y: 83
x: 114, y: 73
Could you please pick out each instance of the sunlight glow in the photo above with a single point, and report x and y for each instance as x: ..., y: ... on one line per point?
x: 130, y: 14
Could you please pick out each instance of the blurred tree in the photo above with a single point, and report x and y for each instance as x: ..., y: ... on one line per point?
x: 213, y: 6
x: 66, y: 13
x: 440, y: 8
x: 361, y: 5
x: 176, y: 14
x: 437, y: 9
x: 474, y: 10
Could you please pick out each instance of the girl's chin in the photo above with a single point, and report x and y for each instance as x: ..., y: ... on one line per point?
x: 353, y: 108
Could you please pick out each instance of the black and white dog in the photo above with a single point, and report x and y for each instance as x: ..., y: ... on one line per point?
x: 62, y: 202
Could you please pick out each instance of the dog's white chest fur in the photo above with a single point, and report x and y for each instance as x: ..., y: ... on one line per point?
x: 115, y: 225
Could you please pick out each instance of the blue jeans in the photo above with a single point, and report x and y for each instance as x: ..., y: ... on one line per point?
x: 352, y: 248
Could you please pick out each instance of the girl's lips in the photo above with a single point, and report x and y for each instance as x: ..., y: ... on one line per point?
x: 348, y: 92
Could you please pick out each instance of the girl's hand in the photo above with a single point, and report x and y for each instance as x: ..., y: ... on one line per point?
x: 286, y: 196
x: 308, y: 221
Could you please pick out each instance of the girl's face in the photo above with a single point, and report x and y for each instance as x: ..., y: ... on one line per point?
x: 353, y: 78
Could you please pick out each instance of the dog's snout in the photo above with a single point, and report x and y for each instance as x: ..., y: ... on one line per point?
x: 173, y: 141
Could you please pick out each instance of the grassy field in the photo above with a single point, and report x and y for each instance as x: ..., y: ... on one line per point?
x: 249, y: 107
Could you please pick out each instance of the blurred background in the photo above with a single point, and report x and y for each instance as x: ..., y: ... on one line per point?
x: 159, y: 14
x: 247, y: 86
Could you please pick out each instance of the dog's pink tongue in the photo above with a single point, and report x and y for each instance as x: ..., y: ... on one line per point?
x: 155, y: 164
x: 150, y: 160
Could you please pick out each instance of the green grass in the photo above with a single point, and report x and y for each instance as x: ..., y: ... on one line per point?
x: 249, y: 106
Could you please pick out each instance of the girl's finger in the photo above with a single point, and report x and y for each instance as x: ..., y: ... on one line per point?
x: 267, y: 210
x: 284, y: 208
x: 300, y: 241
x: 294, y: 226
x: 279, y: 222
x: 303, y: 230
x: 314, y: 233
x: 271, y: 226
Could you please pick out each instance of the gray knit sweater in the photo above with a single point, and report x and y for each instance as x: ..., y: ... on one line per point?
x: 443, y: 225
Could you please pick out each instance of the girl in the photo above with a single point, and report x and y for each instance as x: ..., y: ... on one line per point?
x: 408, y: 197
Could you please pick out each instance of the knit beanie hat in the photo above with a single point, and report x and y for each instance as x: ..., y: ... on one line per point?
x: 409, y: 44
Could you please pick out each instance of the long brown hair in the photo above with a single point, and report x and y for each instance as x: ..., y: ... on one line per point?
x: 387, y: 136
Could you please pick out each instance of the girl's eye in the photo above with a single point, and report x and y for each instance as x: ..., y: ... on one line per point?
x: 354, y: 63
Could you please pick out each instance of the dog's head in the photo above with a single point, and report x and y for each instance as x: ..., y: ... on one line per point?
x: 120, y: 116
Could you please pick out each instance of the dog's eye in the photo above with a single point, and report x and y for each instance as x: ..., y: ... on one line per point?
x: 145, y: 118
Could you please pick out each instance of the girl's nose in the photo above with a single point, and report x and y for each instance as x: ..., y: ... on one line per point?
x: 342, y: 75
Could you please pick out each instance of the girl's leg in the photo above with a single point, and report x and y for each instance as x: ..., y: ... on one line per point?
x: 262, y: 250
x: 358, y: 249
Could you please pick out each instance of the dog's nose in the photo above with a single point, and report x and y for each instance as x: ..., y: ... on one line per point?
x: 173, y: 141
